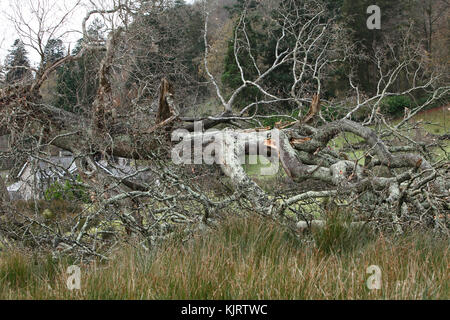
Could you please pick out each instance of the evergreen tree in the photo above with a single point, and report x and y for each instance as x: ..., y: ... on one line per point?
x: 180, y: 3
x: 53, y: 51
x: 95, y: 30
x: 258, y: 48
x: 17, y: 64
x: 77, y: 82
x: 354, y: 14
x: 167, y: 43
x: 263, y: 47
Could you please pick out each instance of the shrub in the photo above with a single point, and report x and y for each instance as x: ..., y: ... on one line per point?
x: 67, y: 191
x: 395, y: 106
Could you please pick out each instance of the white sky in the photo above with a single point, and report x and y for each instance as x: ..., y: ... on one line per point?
x: 58, y: 8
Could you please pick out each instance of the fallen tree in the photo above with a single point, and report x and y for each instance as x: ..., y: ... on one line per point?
x: 411, y: 190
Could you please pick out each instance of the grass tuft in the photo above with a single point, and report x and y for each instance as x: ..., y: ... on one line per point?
x: 249, y: 258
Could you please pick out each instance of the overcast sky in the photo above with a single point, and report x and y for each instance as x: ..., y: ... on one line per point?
x: 58, y: 8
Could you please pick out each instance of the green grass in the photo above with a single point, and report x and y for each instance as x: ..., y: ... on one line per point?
x: 436, y: 122
x: 254, y: 165
x: 245, y: 259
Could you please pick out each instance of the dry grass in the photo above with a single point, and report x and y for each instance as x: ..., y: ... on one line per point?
x: 245, y: 259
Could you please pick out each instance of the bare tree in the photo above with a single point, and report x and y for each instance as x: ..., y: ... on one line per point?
x: 154, y: 195
x: 313, y: 53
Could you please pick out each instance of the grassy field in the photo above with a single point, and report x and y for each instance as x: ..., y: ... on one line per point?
x: 249, y: 259
x: 435, y: 121
x: 245, y: 259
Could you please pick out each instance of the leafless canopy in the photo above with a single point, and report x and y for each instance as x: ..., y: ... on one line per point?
x: 381, y: 174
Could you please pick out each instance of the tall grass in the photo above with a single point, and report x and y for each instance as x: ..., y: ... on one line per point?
x: 245, y: 259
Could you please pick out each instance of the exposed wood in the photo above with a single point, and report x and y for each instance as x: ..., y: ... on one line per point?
x: 314, y: 110
x: 165, y: 110
x: 103, y: 104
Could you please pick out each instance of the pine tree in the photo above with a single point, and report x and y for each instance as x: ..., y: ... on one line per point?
x: 17, y: 64
x: 77, y: 81
x: 179, y: 3
x: 53, y: 51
